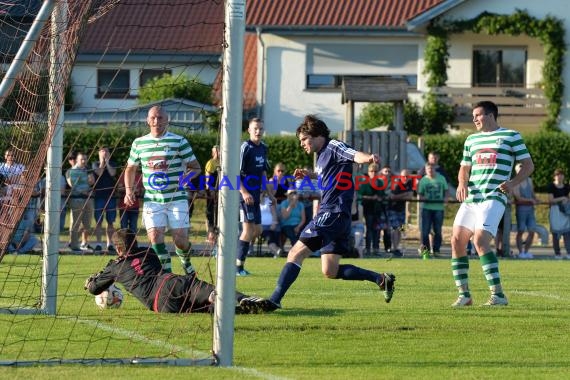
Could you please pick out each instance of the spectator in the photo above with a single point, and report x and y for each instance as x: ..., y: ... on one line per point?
x: 383, y: 221
x: 433, y: 158
x: 71, y: 159
x: 525, y: 199
x: 270, y: 224
x: 23, y: 240
x: 283, y: 183
x: 370, y: 196
x: 357, y: 227
x: 212, y: 168
x: 80, y: 182
x: 401, y: 191
x: 10, y: 169
x: 309, y: 196
x: 292, y: 214
x: 105, y: 203
x: 129, y: 215
x: 17, y: 185
x: 41, y: 203
x: 559, y: 219
x: 432, y: 190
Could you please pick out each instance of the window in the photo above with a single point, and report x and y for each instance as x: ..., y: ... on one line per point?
x: 148, y: 74
x: 321, y: 82
x: 499, y: 67
x: 113, y: 83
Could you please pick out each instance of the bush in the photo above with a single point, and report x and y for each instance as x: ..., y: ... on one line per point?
x: 433, y: 118
x: 181, y: 87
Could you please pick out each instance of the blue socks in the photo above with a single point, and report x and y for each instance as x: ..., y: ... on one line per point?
x: 243, y: 249
x: 290, y: 272
x: 287, y: 277
x: 354, y: 273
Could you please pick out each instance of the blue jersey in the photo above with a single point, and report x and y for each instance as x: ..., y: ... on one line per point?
x: 335, y: 161
x: 254, y: 163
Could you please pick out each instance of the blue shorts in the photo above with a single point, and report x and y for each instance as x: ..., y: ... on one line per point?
x: 250, y: 213
x: 329, y: 233
x: 106, y: 205
x: 526, y: 220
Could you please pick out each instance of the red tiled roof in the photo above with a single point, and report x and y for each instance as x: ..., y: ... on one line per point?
x: 250, y: 71
x: 159, y: 26
x: 249, y: 75
x: 335, y: 13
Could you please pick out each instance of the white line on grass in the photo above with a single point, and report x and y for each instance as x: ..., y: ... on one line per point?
x: 542, y: 294
x: 139, y: 337
x: 166, y: 345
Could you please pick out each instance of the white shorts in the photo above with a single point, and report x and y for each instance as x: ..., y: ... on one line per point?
x: 172, y: 215
x: 480, y: 216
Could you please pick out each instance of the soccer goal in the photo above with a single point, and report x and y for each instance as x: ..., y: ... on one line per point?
x: 69, y: 83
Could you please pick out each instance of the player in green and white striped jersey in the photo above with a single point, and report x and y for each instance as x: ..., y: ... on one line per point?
x: 484, y: 182
x: 167, y: 162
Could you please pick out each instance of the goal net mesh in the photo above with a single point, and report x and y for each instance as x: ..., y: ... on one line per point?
x: 106, y: 50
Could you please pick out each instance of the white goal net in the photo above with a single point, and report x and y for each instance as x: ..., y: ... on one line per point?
x: 80, y: 68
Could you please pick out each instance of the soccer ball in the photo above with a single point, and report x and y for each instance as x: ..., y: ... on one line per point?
x: 112, y: 298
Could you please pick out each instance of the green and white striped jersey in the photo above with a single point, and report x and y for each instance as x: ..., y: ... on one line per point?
x: 163, y: 162
x: 491, y: 156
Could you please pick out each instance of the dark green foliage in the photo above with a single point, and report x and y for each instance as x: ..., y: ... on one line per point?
x: 549, y: 150
x: 431, y: 118
x: 182, y: 87
x: 168, y: 86
x: 286, y: 149
x: 436, y: 57
x: 414, y: 119
x: 375, y: 115
x: 437, y: 115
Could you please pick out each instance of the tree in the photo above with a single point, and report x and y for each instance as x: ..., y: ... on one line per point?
x: 167, y: 86
x: 377, y: 114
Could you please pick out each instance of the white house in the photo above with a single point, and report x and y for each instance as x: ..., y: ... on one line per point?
x: 137, y: 40
x: 305, y: 48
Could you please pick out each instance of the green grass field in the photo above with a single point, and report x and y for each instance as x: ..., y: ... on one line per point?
x: 328, y: 329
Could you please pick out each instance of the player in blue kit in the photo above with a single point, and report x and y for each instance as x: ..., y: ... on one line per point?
x: 253, y: 172
x: 329, y: 231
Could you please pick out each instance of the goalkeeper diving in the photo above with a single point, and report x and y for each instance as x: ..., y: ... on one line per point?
x: 139, y: 270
